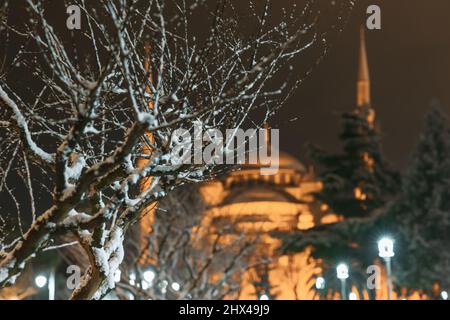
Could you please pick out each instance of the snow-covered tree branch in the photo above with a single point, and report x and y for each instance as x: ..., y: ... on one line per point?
x: 183, y: 259
x: 86, y: 115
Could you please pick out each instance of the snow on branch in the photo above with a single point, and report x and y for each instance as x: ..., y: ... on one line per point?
x: 22, y: 124
x: 104, y: 102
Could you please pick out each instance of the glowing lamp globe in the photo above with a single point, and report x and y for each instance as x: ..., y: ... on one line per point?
x: 386, y: 248
x: 342, y: 271
x: 40, y: 281
x: 320, y: 283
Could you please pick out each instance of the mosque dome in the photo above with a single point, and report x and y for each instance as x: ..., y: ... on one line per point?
x: 282, y: 200
x: 285, y: 161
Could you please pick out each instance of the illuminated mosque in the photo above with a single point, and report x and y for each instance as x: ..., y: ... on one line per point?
x: 258, y: 204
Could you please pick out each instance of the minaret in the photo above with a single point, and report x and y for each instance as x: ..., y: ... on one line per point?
x: 363, y: 85
x: 363, y: 100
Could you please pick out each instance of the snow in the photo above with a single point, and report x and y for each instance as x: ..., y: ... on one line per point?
x: 114, y: 263
x: 116, y: 239
x: 129, y: 164
x: 21, y: 122
x: 134, y: 178
x: 108, y: 260
x: 74, y: 171
x: 212, y: 98
x: 132, y: 202
x: 91, y: 129
x: 3, y: 274
x: 51, y: 225
x: 174, y: 97
x: 101, y: 260
x: 75, y: 218
x: 166, y: 168
x: 148, y: 119
x: 85, y: 236
x: 4, y: 271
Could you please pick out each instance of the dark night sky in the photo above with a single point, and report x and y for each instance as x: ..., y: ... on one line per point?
x: 409, y: 63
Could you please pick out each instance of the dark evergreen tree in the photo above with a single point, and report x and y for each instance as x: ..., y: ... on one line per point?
x: 424, y: 221
x: 357, y: 180
x: 418, y: 219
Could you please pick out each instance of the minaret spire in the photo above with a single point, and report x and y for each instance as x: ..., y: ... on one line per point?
x: 363, y: 84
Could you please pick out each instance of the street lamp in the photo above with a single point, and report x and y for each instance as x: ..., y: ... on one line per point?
x: 386, y: 252
x: 145, y: 285
x: 41, y: 281
x: 176, y: 286
x: 352, y: 296
x: 320, y: 283
x: 148, y: 275
x: 132, y: 278
x: 342, y: 274
x: 51, y: 285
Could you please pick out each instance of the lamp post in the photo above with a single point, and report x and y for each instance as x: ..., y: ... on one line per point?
x: 41, y: 281
x: 176, y: 286
x: 352, y: 296
x: 320, y: 285
x: 342, y: 274
x: 148, y: 276
x: 386, y: 252
x: 51, y: 285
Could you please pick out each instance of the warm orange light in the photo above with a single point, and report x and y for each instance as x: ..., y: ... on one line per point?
x: 146, y: 224
x: 368, y: 160
x: 371, y: 117
x: 359, y: 195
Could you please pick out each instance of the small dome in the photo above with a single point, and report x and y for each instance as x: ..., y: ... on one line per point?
x: 285, y: 161
x: 289, y: 162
